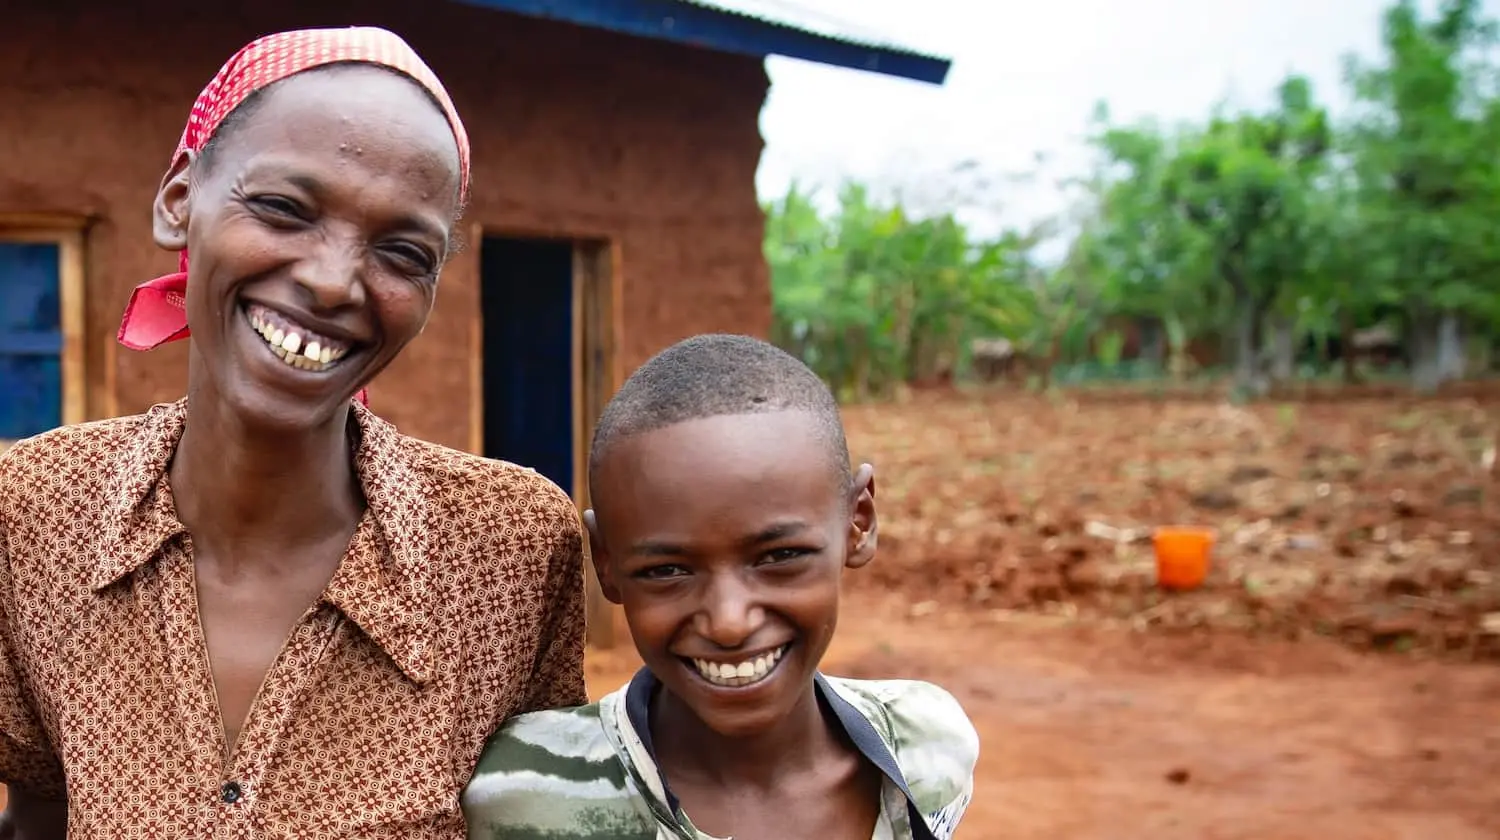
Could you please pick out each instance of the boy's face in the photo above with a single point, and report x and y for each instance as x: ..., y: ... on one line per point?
x: 725, y: 538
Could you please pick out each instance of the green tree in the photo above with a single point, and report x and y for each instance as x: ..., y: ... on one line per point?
x: 1243, y: 182
x: 1149, y: 264
x: 871, y: 298
x: 1424, y: 147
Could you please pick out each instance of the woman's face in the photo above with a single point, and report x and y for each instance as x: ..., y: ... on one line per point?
x: 317, y: 227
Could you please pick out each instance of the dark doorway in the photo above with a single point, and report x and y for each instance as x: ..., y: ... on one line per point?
x: 526, y: 295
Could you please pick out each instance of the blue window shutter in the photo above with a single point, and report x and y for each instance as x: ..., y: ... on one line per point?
x: 30, y: 339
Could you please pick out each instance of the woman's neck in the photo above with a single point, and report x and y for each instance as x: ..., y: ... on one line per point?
x: 247, y: 493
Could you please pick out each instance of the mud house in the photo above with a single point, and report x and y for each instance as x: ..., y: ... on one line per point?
x: 614, y: 207
x: 613, y: 212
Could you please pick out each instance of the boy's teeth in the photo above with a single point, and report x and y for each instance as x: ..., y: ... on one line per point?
x: 300, y: 351
x: 736, y: 674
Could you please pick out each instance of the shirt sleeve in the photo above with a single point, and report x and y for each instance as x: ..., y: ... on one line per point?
x: 542, y: 775
x: 557, y: 674
x: 27, y: 760
x: 937, y: 748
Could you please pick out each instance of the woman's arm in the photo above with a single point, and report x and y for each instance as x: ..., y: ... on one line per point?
x: 557, y: 674
x: 26, y: 754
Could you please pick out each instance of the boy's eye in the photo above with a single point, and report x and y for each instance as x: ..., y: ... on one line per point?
x: 785, y: 555
x: 662, y: 572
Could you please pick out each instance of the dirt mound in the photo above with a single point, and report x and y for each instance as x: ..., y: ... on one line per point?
x: 1371, y: 520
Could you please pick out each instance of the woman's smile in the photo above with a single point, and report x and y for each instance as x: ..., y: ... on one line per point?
x: 294, y: 343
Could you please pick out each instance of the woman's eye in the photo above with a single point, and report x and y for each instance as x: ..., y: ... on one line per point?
x: 276, y: 205
x: 413, y: 258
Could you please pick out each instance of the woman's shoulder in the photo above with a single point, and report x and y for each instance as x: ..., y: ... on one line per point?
x: 473, y: 478
x: 63, y: 494
x: 60, y: 441
x: 66, y: 453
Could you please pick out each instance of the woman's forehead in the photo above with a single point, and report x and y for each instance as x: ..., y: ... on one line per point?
x: 358, y: 93
x: 262, y: 63
x: 367, y: 114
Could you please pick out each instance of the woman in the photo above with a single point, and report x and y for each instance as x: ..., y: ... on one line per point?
x: 261, y: 611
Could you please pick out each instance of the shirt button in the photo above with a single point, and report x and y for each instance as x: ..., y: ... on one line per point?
x: 231, y: 792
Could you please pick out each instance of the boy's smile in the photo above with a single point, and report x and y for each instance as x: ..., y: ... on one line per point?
x: 725, y: 538
x: 748, y: 671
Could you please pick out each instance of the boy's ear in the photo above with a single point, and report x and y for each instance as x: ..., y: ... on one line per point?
x: 864, y: 526
x: 603, y: 571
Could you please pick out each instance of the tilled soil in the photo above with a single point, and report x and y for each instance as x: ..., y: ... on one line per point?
x: 1372, y: 520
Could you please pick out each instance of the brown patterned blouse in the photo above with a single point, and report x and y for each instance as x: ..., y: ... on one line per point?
x: 458, y: 604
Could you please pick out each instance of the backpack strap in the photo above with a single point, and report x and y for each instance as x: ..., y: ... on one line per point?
x: 870, y: 744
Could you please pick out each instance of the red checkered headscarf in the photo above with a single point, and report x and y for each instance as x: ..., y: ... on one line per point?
x: 156, y: 313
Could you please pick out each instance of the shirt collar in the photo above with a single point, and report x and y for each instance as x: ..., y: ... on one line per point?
x: 644, y: 686
x: 872, y: 739
x: 384, y: 583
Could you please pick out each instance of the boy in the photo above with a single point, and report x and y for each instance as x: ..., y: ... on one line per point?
x: 724, y: 512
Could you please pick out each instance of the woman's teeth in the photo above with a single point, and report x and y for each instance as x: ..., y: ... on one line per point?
x: 298, y: 347
x: 737, y: 674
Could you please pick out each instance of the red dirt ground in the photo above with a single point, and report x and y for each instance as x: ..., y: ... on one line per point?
x: 1335, y: 679
x: 1094, y: 733
x: 1370, y: 520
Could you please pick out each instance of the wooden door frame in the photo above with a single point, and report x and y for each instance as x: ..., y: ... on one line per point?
x: 596, y: 337
x: 67, y: 233
x: 596, y: 331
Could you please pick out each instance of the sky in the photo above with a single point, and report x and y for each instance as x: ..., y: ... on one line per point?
x: 1025, y: 80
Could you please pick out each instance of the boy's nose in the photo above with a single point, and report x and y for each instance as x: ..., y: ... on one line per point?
x: 729, y: 616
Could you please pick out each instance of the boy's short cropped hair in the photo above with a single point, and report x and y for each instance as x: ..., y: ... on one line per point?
x: 713, y: 375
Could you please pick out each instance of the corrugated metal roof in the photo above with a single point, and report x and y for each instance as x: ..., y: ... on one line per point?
x: 746, y: 27
x: 799, y: 16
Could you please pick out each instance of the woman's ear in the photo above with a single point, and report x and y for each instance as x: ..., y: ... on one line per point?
x: 172, y: 207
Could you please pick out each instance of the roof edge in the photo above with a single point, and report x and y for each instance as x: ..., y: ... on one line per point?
x: 725, y: 30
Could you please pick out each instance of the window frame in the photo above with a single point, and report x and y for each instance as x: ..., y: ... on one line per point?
x: 68, y: 234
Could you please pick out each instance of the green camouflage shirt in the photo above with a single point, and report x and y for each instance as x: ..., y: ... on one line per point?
x: 588, y: 772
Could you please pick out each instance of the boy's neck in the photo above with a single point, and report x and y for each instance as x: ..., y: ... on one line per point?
x: 687, y: 749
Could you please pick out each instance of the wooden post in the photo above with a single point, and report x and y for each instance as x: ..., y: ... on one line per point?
x: 594, y: 364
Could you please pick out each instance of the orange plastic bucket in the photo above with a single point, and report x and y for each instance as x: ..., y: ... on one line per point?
x: 1182, y: 556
